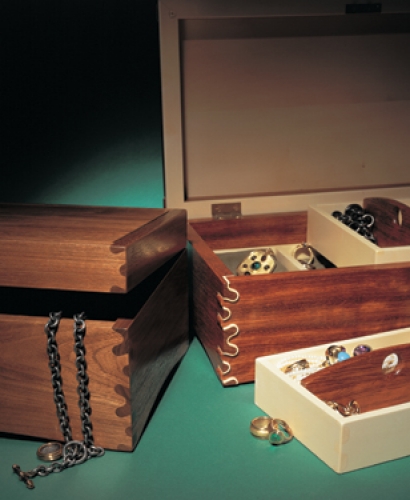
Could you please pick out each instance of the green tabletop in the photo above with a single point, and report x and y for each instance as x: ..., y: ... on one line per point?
x: 198, y: 446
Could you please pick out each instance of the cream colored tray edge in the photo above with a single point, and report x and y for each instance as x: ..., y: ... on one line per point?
x: 343, y: 443
x: 343, y: 246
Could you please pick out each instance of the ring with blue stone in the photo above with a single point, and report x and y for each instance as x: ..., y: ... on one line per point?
x: 257, y: 262
x: 332, y: 353
x: 281, y: 432
x: 342, y: 356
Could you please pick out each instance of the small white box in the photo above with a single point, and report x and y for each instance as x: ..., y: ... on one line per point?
x: 343, y: 443
x: 343, y: 246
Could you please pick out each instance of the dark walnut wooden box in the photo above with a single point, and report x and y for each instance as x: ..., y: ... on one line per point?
x: 126, y: 268
x: 271, y: 108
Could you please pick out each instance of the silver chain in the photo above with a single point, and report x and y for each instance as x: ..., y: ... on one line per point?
x: 74, y: 452
x: 55, y: 368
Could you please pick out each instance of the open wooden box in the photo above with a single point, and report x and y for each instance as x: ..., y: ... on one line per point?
x: 344, y: 443
x: 126, y: 268
x: 268, y: 109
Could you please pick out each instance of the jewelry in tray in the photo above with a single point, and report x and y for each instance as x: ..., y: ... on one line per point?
x: 257, y: 262
x: 304, y: 254
x: 300, y: 369
x: 277, y: 431
x: 358, y: 219
x: 264, y: 261
x: 372, y: 379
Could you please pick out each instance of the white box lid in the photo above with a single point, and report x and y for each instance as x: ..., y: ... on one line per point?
x: 284, y: 104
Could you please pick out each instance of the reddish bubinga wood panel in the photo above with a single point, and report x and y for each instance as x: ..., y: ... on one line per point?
x: 285, y: 311
x: 392, y: 221
x: 363, y: 380
x: 255, y: 230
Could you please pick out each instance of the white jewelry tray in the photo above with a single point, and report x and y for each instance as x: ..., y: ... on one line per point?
x: 343, y: 246
x: 343, y: 443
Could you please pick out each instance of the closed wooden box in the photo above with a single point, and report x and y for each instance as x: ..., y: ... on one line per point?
x: 126, y: 268
x: 269, y: 109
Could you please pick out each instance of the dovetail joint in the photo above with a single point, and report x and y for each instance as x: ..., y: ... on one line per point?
x: 229, y: 380
x: 232, y: 290
x: 228, y: 341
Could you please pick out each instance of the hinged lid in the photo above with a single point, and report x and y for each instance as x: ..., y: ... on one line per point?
x: 99, y: 249
x: 226, y: 211
x: 284, y: 104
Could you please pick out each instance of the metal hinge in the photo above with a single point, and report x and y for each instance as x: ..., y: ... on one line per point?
x: 227, y: 211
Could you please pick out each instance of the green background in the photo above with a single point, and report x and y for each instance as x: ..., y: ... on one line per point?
x: 80, y: 102
x: 81, y: 123
x: 198, y: 446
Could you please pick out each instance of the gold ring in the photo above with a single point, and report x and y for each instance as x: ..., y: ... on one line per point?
x: 301, y: 364
x: 261, y: 427
x: 303, y: 253
x: 281, y: 432
x: 50, y: 451
x: 351, y: 408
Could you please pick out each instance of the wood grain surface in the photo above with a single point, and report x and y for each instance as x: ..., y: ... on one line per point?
x: 117, y: 353
x: 158, y: 338
x: 290, y: 310
x: 252, y: 230
x: 362, y: 379
x: 26, y: 395
x: 206, y: 284
x: 104, y: 249
x: 391, y: 221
